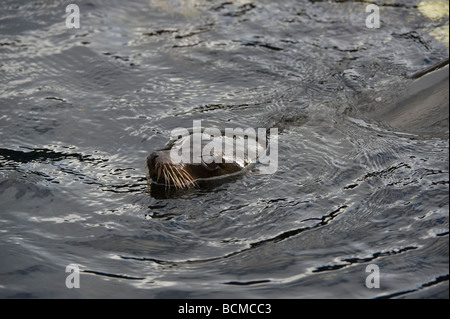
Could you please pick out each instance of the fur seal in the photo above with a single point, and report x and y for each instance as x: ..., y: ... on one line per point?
x: 197, y: 157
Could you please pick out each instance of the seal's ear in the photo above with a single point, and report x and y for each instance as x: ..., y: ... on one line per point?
x: 209, y: 163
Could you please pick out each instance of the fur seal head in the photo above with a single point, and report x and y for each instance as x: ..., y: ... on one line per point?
x: 184, y: 162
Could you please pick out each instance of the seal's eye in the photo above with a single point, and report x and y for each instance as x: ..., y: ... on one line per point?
x: 209, y: 163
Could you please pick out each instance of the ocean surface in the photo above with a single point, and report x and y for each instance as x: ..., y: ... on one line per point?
x: 82, y: 108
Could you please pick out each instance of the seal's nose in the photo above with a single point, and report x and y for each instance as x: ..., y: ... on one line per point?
x: 153, y: 157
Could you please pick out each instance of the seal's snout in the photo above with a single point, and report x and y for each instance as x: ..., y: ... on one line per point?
x: 152, y: 158
x: 163, y: 171
x: 151, y: 163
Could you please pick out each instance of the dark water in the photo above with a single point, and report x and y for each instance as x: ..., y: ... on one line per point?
x: 80, y: 109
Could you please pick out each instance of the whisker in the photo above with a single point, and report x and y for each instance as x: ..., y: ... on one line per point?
x: 165, y: 175
x: 158, y: 168
x: 169, y: 180
x: 181, y: 172
x: 175, y: 179
x: 188, y: 177
x: 176, y: 172
x: 172, y: 178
